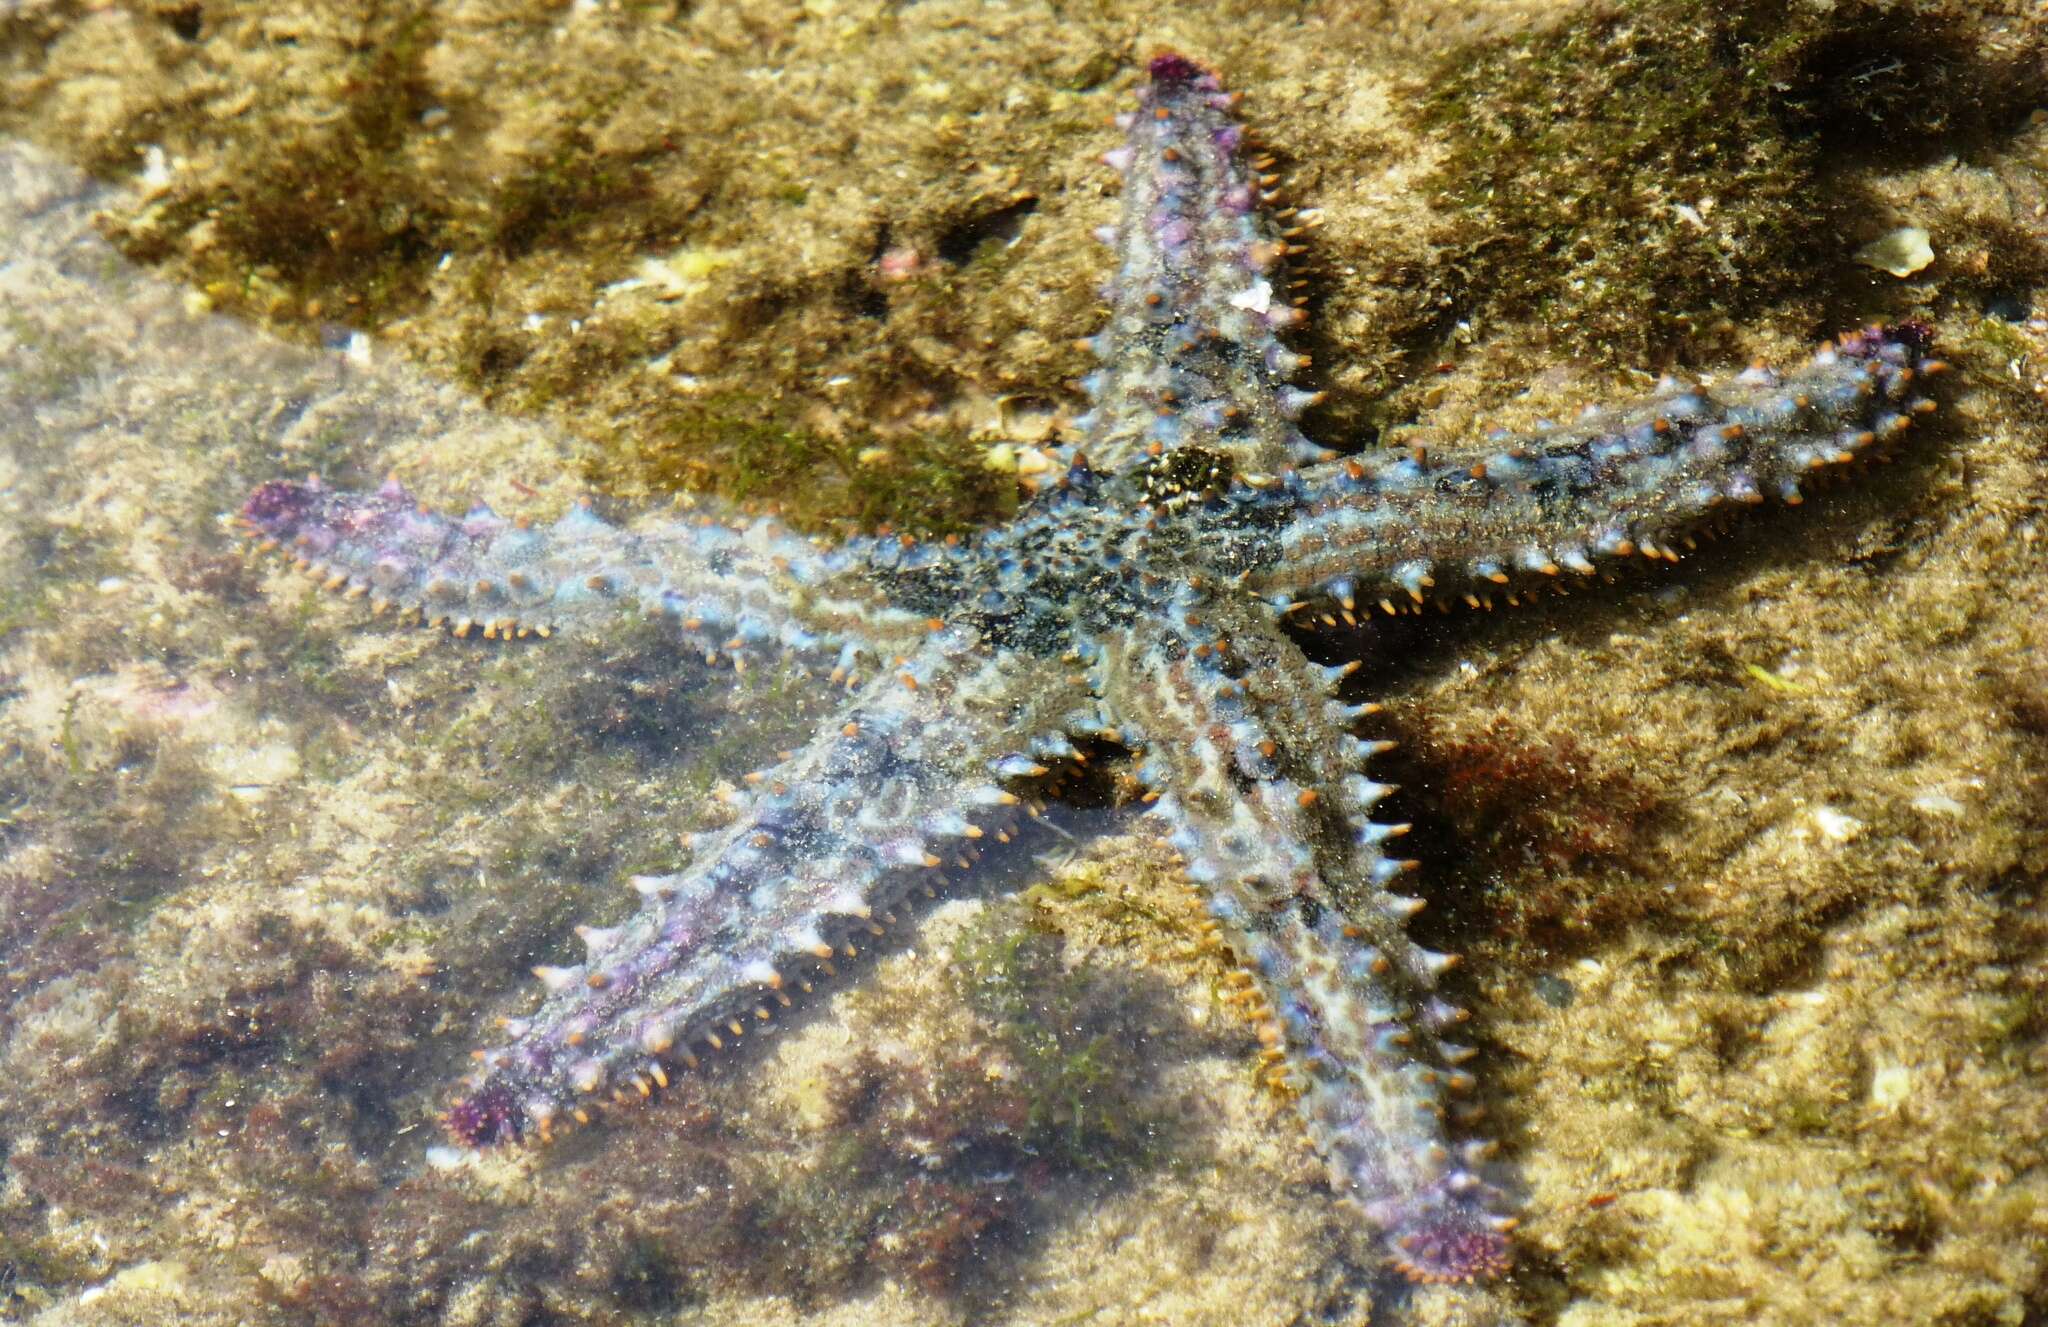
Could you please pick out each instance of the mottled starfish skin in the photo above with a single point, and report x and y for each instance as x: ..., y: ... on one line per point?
x: 1147, y: 601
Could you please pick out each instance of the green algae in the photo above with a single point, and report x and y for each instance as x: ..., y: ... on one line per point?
x: 57, y: 361
x: 1640, y: 1089
x: 1083, y: 1109
x: 381, y: 216
x: 1649, y: 173
x: 133, y: 809
x: 750, y: 451
x: 1998, y: 337
x: 334, y: 217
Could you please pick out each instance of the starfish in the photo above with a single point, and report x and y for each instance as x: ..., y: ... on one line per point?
x: 1153, y: 600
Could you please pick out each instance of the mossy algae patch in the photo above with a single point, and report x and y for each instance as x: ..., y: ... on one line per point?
x: 333, y: 217
x: 1649, y: 172
x: 755, y: 453
x: 476, y: 183
x: 1854, y: 1157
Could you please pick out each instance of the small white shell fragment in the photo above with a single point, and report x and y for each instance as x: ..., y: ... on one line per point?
x: 1890, y: 1085
x: 1835, y: 826
x: 1901, y: 252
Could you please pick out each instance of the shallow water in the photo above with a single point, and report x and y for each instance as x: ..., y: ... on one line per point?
x: 1764, y: 1043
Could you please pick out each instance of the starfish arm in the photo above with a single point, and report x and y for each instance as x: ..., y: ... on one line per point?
x: 1266, y: 800
x: 898, y: 789
x: 1404, y: 529
x: 1189, y: 356
x: 739, y: 589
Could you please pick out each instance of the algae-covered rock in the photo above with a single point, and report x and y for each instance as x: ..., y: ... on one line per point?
x: 1745, y: 859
